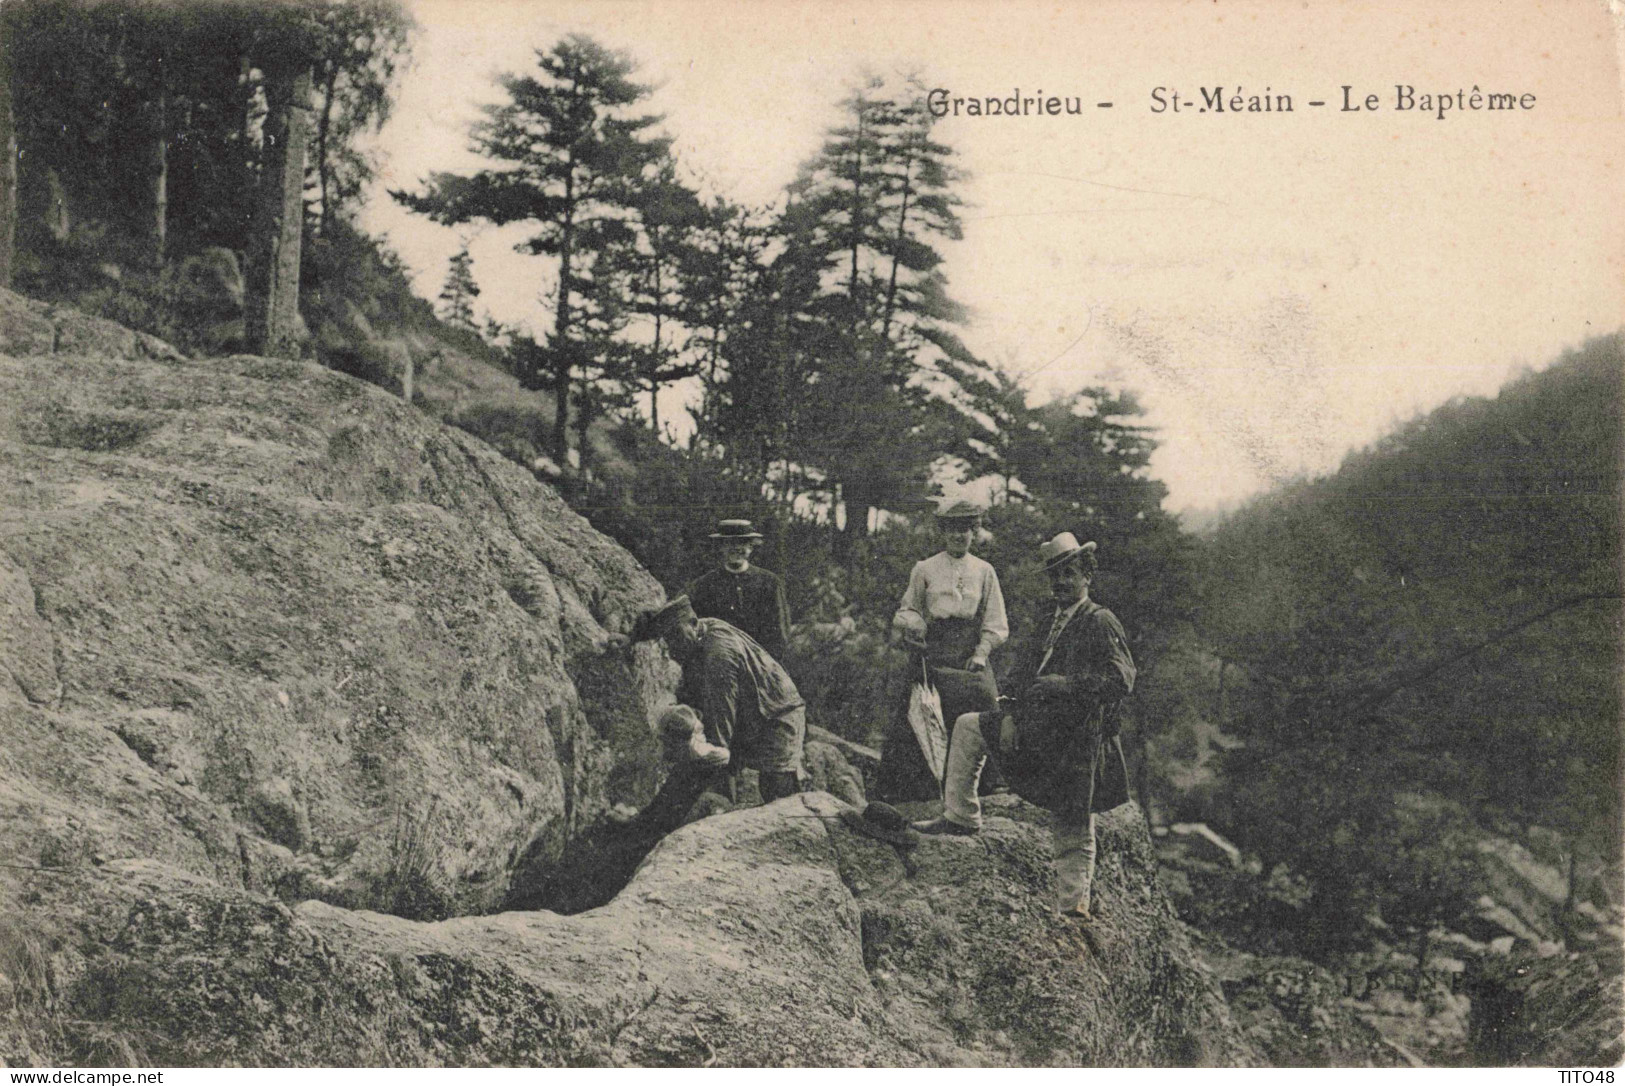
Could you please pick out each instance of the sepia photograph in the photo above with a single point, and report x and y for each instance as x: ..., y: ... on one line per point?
x: 827, y: 534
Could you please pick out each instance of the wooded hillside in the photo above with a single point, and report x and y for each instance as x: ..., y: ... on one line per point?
x: 1439, y: 619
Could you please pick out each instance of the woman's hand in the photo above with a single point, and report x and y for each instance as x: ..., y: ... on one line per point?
x: 978, y: 662
x: 908, y: 643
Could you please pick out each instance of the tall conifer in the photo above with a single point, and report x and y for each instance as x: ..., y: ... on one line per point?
x: 570, y: 158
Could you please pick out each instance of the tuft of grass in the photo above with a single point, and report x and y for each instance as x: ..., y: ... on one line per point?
x: 413, y: 884
x: 43, y: 1022
x: 28, y: 984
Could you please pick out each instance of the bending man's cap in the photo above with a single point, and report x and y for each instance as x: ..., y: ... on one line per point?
x: 653, y: 624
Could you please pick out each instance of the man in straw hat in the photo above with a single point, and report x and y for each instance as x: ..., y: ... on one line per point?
x: 746, y: 702
x: 951, y: 615
x: 747, y: 597
x: 1060, y: 748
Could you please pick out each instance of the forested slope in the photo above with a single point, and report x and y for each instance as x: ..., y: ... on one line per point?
x: 1427, y: 644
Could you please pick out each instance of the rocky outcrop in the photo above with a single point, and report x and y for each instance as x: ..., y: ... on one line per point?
x: 272, y: 627
x: 1294, y: 1012
x: 297, y: 685
x: 769, y: 936
x: 1560, y: 1010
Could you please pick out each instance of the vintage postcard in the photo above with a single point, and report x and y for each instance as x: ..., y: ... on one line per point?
x: 833, y: 533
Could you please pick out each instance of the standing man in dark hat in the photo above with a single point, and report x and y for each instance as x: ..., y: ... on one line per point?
x: 1060, y: 749
x: 745, y: 596
x: 951, y: 615
x: 745, y: 701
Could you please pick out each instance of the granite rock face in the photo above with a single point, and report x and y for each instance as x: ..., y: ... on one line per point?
x: 269, y: 625
x: 766, y: 936
x: 297, y: 683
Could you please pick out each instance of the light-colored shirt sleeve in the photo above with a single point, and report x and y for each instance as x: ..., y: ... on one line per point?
x: 913, y: 602
x: 995, y: 624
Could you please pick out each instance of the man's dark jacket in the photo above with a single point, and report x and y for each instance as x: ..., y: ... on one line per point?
x: 1071, y: 759
x: 752, y: 601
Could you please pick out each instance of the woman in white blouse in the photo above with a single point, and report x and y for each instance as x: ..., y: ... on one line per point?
x: 952, y: 614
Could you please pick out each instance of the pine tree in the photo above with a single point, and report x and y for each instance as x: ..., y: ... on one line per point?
x: 898, y: 390
x: 458, y: 294
x: 363, y: 44
x: 571, y: 160
x: 720, y: 262
x: 645, y: 269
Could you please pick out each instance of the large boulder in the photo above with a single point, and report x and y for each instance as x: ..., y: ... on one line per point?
x: 297, y: 685
x: 268, y: 625
x: 1560, y: 1010
x: 773, y: 935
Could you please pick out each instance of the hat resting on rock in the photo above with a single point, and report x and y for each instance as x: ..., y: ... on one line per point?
x: 681, y: 729
x: 883, y: 822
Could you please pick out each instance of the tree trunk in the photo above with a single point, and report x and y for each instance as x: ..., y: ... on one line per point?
x: 244, y: 162
x: 158, y: 179
x: 654, y: 351
x: 1421, y: 962
x: 584, y: 416
x: 8, y: 167
x: 854, y: 501
x: 857, y: 495
x: 857, y: 219
x: 896, y: 257
x: 324, y: 125
x: 272, y: 307
x: 562, y: 367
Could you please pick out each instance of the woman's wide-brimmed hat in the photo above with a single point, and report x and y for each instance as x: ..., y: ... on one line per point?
x: 884, y: 822
x: 1061, y: 549
x: 961, y: 510
x: 735, y: 529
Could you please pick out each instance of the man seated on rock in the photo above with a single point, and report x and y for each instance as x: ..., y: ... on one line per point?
x: 1059, y: 749
x: 747, y: 704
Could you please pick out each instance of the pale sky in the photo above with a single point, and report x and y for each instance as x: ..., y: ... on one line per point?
x: 1278, y: 288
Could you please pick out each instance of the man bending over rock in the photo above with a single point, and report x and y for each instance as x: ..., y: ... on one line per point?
x: 746, y: 702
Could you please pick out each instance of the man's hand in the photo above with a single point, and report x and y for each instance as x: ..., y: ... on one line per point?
x: 1008, y: 736
x: 978, y: 662
x: 706, y: 754
x: 1047, y: 688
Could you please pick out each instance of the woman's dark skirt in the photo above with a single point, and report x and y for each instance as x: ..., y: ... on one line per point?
x: 903, y: 774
